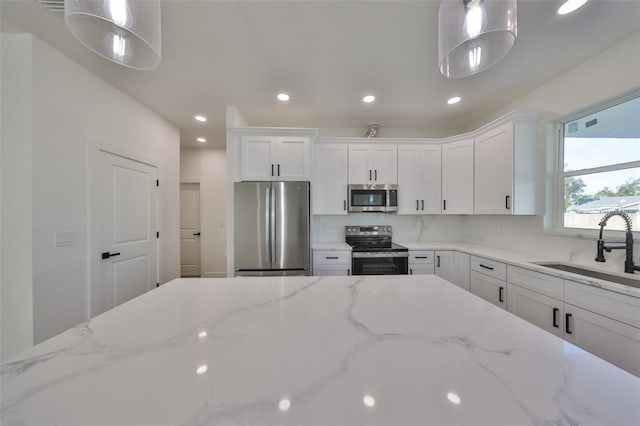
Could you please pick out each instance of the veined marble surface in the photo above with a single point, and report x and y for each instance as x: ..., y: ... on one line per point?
x: 312, y: 351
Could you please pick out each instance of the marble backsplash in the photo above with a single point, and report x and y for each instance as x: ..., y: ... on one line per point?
x: 523, y: 234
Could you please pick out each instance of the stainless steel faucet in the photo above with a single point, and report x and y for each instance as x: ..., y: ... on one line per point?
x: 627, y: 245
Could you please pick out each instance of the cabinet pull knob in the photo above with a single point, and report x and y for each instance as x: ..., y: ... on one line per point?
x: 506, y: 202
x: 369, y: 174
x: 444, y: 204
x: 410, y: 271
x: 438, y: 264
x: 422, y: 204
x: 567, y: 317
x: 417, y: 205
x: 278, y: 169
x: 420, y: 257
x: 375, y: 175
x: 486, y: 267
x: 348, y: 271
x: 555, y: 317
x: 332, y: 257
x: 501, y: 294
x: 272, y: 170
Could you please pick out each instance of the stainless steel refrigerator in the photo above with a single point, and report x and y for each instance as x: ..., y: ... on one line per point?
x: 271, y: 229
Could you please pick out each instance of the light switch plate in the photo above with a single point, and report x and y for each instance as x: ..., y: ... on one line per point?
x: 63, y: 238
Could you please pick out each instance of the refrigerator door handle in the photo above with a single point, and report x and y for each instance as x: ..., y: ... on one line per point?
x: 273, y: 205
x: 267, y: 220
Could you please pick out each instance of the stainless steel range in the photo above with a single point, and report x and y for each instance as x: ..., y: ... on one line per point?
x: 373, y: 252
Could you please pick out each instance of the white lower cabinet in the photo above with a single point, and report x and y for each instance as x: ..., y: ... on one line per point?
x: 331, y: 262
x: 490, y: 289
x: 543, y: 311
x: 444, y: 264
x: 461, y: 265
x: 421, y: 262
x: 611, y: 340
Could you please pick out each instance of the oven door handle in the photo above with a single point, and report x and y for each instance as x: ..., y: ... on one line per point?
x: 368, y: 255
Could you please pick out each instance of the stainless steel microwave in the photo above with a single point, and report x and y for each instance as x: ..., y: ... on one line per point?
x: 373, y: 198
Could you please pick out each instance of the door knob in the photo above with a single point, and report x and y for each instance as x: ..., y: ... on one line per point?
x: 107, y: 255
x: 197, y: 234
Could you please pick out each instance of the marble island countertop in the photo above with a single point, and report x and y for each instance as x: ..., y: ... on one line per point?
x: 307, y: 350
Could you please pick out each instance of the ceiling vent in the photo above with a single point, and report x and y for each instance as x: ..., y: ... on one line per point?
x: 53, y: 5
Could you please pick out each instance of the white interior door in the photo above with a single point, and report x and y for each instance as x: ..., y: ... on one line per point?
x: 125, y: 226
x: 190, y: 230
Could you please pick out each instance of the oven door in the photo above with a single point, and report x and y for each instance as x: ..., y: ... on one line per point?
x: 370, y: 263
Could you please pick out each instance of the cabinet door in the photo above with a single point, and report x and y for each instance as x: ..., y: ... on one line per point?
x: 421, y: 269
x: 257, y: 157
x: 430, y: 179
x: 489, y: 288
x: 457, y: 177
x: 409, y: 179
x: 444, y: 265
x: 360, y: 170
x: 330, y: 179
x: 461, y: 265
x: 292, y: 158
x: 494, y: 171
x: 606, y: 338
x: 331, y: 270
x: 543, y: 311
x: 384, y: 163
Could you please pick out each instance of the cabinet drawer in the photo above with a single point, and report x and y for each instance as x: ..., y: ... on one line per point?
x: 489, y: 267
x: 613, y: 305
x: 331, y: 270
x: 331, y: 257
x: 420, y: 268
x: 420, y: 256
x: 535, y: 281
x: 489, y: 288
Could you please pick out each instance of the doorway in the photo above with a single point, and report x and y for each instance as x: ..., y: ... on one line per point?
x: 190, y: 230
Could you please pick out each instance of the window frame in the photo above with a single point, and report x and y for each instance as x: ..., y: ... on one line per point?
x: 558, y: 171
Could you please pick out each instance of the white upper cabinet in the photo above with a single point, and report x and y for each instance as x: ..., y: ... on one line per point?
x: 373, y: 163
x: 330, y: 179
x: 275, y: 157
x: 505, y: 168
x: 419, y: 177
x: 457, y: 177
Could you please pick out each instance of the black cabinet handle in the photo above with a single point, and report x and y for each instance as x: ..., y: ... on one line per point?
x: 369, y: 174
x: 375, y: 175
x: 332, y: 257
x: 501, y: 294
x: 486, y: 267
x: 444, y: 204
x: 567, y: 317
x: 417, y: 205
x: 197, y: 234
x: 420, y: 257
x: 272, y: 170
x: 410, y: 271
x: 106, y: 255
x: 344, y: 203
x: 506, y: 202
x: 555, y: 317
x: 422, y: 204
x: 348, y: 271
x: 438, y: 264
x: 278, y: 169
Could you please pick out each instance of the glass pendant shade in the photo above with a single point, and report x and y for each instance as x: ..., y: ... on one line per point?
x: 473, y: 35
x: 124, y: 31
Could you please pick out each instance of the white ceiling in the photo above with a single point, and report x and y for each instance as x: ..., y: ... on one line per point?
x: 327, y: 55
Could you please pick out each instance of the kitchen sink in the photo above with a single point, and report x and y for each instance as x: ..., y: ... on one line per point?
x: 633, y: 282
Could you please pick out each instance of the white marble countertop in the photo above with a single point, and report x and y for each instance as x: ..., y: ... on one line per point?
x: 529, y: 262
x: 386, y: 350
x: 335, y: 245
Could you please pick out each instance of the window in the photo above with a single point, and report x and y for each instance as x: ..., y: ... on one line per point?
x: 599, y: 167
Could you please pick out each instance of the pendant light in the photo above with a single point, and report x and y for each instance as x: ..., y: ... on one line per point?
x: 123, y: 31
x: 473, y: 35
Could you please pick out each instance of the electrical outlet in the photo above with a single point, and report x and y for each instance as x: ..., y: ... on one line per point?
x: 63, y: 238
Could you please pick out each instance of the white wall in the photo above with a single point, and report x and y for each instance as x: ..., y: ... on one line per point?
x: 72, y: 109
x: 16, y: 291
x: 608, y: 74
x: 208, y: 166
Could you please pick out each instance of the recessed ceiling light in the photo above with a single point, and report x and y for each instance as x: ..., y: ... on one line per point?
x: 570, y: 6
x: 200, y: 118
x: 368, y: 99
x: 283, y: 97
x: 201, y: 140
x: 454, y: 100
